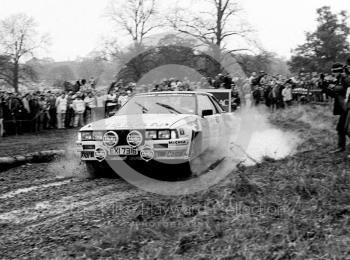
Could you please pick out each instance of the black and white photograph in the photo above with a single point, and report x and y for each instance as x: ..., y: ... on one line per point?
x: 175, y: 129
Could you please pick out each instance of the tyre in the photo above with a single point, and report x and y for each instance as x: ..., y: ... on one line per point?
x: 184, y: 171
x: 177, y: 172
x: 96, y: 169
x: 164, y: 170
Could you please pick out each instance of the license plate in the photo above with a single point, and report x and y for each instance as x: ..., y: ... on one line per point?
x: 87, y: 154
x: 120, y: 150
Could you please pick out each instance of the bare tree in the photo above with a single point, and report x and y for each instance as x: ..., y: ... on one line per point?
x: 136, y: 17
x: 18, y: 39
x: 212, y: 28
x: 110, y: 49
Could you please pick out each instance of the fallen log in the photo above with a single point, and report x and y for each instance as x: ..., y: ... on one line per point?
x: 35, y: 157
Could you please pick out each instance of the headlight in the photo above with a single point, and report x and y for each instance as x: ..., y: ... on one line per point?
x: 98, y: 136
x: 151, y: 134
x: 86, y: 136
x: 164, y: 134
x: 79, y: 137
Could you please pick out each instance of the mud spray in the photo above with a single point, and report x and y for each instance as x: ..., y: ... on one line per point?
x: 70, y: 165
x: 250, y: 138
x: 266, y: 139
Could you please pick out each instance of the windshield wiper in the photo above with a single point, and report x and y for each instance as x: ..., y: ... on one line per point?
x: 144, y: 109
x: 170, y: 108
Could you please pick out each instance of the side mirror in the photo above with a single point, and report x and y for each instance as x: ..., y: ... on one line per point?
x: 207, y: 112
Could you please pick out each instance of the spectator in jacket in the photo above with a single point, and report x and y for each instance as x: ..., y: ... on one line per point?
x: 52, y: 110
x: 255, y: 85
x: 44, y: 116
x: 61, y: 109
x: 287, y: 95
x: 70, y: 112
x: 79, y: 109
x: 34, y: 111
x: 91, y: 103
x: 337, y: 89
x: 18, y: 112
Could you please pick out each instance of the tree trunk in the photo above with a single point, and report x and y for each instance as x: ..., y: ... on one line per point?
x: 218, y: 57
x: 15, y: 75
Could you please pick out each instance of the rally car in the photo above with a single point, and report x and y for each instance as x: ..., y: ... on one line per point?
x: 171, y: 128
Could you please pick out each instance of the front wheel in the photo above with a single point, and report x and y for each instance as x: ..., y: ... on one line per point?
x: 185, y: 171
x: 176, y: 172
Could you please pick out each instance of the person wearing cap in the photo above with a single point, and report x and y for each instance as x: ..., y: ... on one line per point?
x: 337, y: 89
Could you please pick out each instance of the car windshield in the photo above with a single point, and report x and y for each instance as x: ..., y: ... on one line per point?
x: 160, y: 104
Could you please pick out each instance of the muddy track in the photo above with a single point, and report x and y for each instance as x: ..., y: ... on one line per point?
x: 45, y: 208
x: 40, y: 210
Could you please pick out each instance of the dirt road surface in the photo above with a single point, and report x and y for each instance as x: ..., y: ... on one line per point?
x: 35, y: 142
x: 42, y: 210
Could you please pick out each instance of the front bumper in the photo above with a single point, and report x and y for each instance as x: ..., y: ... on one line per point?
x: 159, y: 150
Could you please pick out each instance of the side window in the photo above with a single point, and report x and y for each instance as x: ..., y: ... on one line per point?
x: 204, y: 103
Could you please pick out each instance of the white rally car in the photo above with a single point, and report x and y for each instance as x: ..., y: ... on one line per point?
x: 164, y: 127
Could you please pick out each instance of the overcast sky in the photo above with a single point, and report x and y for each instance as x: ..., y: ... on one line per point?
x: 77, y: 27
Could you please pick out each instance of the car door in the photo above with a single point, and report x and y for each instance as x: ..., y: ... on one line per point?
x: 210, y: 122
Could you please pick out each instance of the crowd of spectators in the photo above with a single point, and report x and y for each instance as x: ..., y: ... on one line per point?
x: 172, y: 84
x: 76, y: 105
x: 278, y: 91
x: 32, y: 112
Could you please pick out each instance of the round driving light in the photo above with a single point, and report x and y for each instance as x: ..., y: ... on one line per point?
x: 110, y: 139
x: 147, y: 153
x: 100, y: 154
x: 134, y: 138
